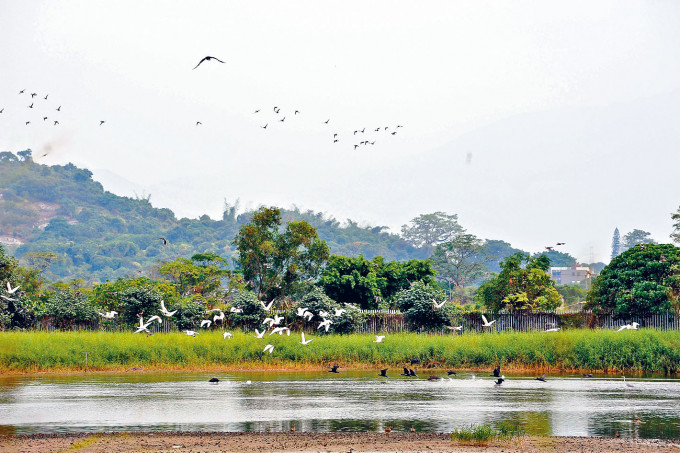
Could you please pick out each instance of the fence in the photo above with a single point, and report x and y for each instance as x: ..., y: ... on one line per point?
x: 393, y: 321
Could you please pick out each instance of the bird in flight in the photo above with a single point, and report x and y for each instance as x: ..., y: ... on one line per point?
x: 30, y: 106
x: 256, y: 111
x: 379, y: 338
x: 550, y: 249
x: 265, y: 126
x: 3, y: 109
x: 56, y: 122
x: 21, y: 92
x: 165, y: 241
x: 356, y: 146
x: 27, y: 123
x: 383, y: 372
x: 101, y: 122
x: 33, y: 95
x: 305, y: 342
x: 326, y: 122
x: 560, y: 243
x: 335, y: 141
x: 46, y: 96
x: 394, y: 133
x: 59, y: 109
x: 198, y: 123
x: 44, y: 118
x: 208, y: 59
x: 436, y: 305
x: 283, y: 119
x: 296, y: 112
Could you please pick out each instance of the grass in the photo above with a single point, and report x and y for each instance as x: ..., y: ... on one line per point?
x: 575, y: 350
x: 483, y: 434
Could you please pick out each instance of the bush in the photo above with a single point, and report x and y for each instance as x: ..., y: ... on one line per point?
x: 416, y: 303
x: 140, y: 300
x: 189, y: 314
x: 252, y: 313
x: 316, y: 301
x: 67, y: 308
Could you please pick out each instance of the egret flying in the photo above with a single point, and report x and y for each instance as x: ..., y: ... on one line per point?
x: 379, y: 338
x: 436, y: 305
x: 326, y: 323
x: 164, y: 311
x: 259, y: 334
x: 301, y: 311
x: 269, y: 347
x: 455, y: 327
x: 109, y: 314
x: 191, y: 333
x: 12, y: 290
x: 339, y: 311
x: 633, y: 326
x: 268, y: 306
x: 487, y: 323
x: 305, y: 342
x: 227, y: 335
x: 206, y: 323
x: 235, y: 310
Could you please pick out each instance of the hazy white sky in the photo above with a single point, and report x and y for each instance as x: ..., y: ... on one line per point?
x: 569, y: 110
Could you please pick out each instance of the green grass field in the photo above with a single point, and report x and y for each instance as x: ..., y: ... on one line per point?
x: 596, y: 350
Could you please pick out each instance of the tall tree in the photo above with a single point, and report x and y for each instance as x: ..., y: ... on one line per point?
x: 636, y: 237
x: 274, y: 260
x: 616, y: 243
x: 428, y: 230
x: 675, y: 235
x: 458, y: 260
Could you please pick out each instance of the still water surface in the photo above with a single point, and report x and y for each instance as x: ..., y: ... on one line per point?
x: 350, y: 401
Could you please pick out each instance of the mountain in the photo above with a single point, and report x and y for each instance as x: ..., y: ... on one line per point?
x: 97, y: 235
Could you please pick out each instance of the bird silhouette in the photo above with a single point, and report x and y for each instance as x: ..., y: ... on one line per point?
x: 30, y: 106
x: 377, y: 130
x: 56, y: 122
x: 265, y: 126
x: 335, y: 141
x: 405, y: 373
x: 256, y: 111
x: 356, y: 146
x: 326, y: 122
x: 383, y: 373
x: 500, y: 380
x: 59, y: 109
x: 497, y: 372
x: 198, y: 123
x: 296, y: 112
x: 412, y: 373
x: 27, y: 123
x: 450, y: 372
x: 208, y: 59
x: 2, y: 110
x: 541, y: 378
x: 101, y: 122
x: 33, y: 95
x: 394, y: 133
x: 21, y: 92
x: 214, y: 380
x: 334, y: 369
x: 550, y: 249
x: 44, y: 118
x: 560, y: 243
x: 46, y: 96
x: 415, y: 360
x: 165, y: 241
x: 283, y: 119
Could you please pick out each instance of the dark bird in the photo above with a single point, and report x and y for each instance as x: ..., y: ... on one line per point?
x: 215, y: 380
x: 275, y: 107
x: 399, y: 126
x: 335, y: 141
x: 363, y: 130
x: 265, y: 126
x: 500, y: 380
x: 387, y: 127
x: 496, y: 372
x: 541, y: 378
x: 377, y: 130
x: 383, y: 373
x: 373, y: 142
x: 21, y: 92
x: 405, y: 373
x: 198, y: 123
x: 560, y: 243
x: 550, y: 249
x: 394, y: 133
x: 27, y: 123
x: 356, y: 146
x: 33, y: 95
x: 355, y: 132
x: 46, y: 96
x: 450, y: 372
x: 283, y: 119
x: 165, y: 241
x: 334, y: 369
x: 56, y: 122
x: 30, y: 106
x: 256, y: 111
x: 412, y: 373
x: 334, y: 135
x: 44, y: 118
x: 415, y: 360
x: 3, y: 109
x: 326, y: 122
x: 59, y: 109
x: 433, y: 378
x: 101, y: 122
x: 296, y: 112
x: 587, y: 375
x: 208, y: 59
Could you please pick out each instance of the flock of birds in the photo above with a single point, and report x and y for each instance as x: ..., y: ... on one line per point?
x: 359, y: 137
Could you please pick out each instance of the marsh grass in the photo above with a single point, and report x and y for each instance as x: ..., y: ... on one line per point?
x: 596, y: 350
x: 483, y: 434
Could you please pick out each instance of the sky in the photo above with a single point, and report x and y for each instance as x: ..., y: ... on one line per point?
x: 536, y: 122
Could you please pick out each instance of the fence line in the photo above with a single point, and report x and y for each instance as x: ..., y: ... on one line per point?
x: 393, y: 321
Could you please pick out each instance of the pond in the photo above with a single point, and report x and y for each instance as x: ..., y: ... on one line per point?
x: 348, y: 401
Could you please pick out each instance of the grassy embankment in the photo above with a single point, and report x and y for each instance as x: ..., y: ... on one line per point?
x: 571, y: 350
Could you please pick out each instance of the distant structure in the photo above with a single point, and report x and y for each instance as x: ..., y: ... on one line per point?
x: 572, y: 275
x: 616, y: 244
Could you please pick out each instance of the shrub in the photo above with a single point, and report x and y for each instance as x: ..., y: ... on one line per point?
x: 189, y: 314
x: 316, y: 301
x: 67, y: 307
x: 252, y: 313
x: 416, y: 303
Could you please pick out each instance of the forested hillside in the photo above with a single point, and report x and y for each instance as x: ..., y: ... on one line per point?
x: 59, y: 218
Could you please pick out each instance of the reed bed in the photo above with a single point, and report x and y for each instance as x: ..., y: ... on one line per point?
x: 571, y: 350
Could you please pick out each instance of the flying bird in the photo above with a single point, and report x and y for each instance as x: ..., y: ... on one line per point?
x: 379, y: 338
x: 283, y: 119
x: 383, y: 372
x: 30, y: 106
x: 164, y: 311
x: 334, y: 369
x: 339, y: 311
x: 59, y: 109
x: 296, y: 112
x: 198, y: 123
x: 305, y: 342
x: 541, y: 378
x: 500, y: 380
x: 46, y: 96
x: 101, y: 122
x: 208, y: 59
x: 455, y: 327
x: 487, y: 323
x: 256, y: 111
x: 554, y: 329
x: 191, y: 333
x: 44, y: 118
x: 235, y: 310
x: 436, y: 305
x: 560, y: 243
x: 301, y: 311
x: 451, y: 372
x: 12, y: 290
x: 27, y: 123
x: 326, y: 323
x: 550, y: 249
x: 226, y: 335
x: 259, y: 334
x: 633, y: 326
x: 497, y: 372
x: 108, y: 314
x: 265, y: 126
x: 56, y: 122
x: 20, y: 92
x: 33, y: 95
x: 326, y: 122
x: 269, y: 347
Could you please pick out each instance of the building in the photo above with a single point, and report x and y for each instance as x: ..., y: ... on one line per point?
x: 570, y: 275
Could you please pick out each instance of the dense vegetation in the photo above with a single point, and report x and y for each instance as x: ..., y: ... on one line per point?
x: 586, y: 350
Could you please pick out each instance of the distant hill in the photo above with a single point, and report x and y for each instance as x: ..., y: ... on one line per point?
x: 98, y: 235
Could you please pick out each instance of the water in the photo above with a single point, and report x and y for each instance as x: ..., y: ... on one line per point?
x: 350, y: 401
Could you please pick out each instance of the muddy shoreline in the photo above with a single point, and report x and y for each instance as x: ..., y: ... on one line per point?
x: 314, y: 442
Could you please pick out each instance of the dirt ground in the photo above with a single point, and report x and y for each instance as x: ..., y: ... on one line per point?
x: 314, y: 442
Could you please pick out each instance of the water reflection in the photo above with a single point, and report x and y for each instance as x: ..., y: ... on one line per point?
x: 351, y: 401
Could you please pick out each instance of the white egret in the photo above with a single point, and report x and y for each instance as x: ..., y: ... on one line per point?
x: 205, y: 323
x: 487, y: 323
x: 436, y: 305
x: 227, y: 335
x: 633, y: 326
x: 305, y: 342
x: 269, y: 321
x: 235, y: 310
x: 324, y: 314
x: 143, y: 327
x: 301, y: 311
x: 278, y: 330
x: 339, y: 311
x: 628, y: 384
x: 259, y: 334
x: 500, y: 380
x: 455, y: 327
x: 164, y: 311
x: 554, y: 329
x: 155, y: 318
x: 309, y: 315
x: 267, y: 307
x: 191, y: 333
x: 109, y: 314
x: 379, y: 338
x: 219, y: 317
x: 277, y: 320
x: 326, y: 323
x: 269, y: 347
x: 12, y: 290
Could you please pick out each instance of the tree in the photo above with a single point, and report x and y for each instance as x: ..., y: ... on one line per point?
x: 522, y: 284
x: 675, y: 235
x: 636, y: 237
x: 558, y: 259
x: 429, y: 230
x: 642, y: 280
x: 25, y: 155
x: 496, y: 251
x: 202, y: 274
x: 68, y: 307
x: 616, y: 244
x: 417, y: 304
x: 458, y: 260
x: 275, y: 261
x: 316, y: 301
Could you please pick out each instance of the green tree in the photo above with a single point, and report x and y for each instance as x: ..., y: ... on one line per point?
x: 558, y: 259
x: 417, y: 304
x: 642, y: 280
x: 202, y: 274
x: 634, y: 238
x: 316, y: 302
x: 458, y: 260
x: 68, y: 307
x: 616, y: 243
x: 522, y: 284
x: 429, y: 230
x: 274, y: 261
x: 675, y: 235
x: 250, y: 314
